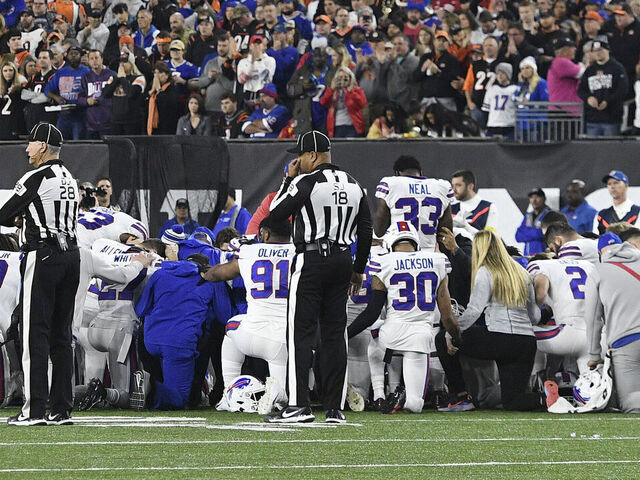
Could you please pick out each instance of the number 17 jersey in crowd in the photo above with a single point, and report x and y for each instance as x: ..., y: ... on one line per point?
x: 418, y: 200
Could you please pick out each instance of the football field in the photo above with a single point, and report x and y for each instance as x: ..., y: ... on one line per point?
x: 208, y: 444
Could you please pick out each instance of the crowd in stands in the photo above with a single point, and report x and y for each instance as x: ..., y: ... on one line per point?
x: 350, y: 68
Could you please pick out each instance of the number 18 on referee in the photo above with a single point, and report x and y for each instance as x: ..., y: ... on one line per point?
x: 330, y: 212
x: 47, y: 200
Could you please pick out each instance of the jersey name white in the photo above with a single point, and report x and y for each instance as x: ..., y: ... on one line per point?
x: 9, y: 287
x: 265, y: 268
x: 580, y: 249
x: 418, y: 200
x: 101, y: 222
x: 567, y: 279
x: 412, y: 280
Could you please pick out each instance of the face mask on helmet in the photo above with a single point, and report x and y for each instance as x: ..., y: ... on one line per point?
x: 244, y: 393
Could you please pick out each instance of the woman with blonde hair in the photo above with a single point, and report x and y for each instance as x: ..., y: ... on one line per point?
x: 12, y: 118
x: 344, y: 101
x: 503, y: 291
x: 341, y: 58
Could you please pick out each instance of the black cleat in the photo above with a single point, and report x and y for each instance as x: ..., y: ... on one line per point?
x: 96, y: 393
x: 19, y: 420
x: 394, y: 401
x: 335, y: 416
x: 375, y: 405
x: 58, y: 419
x: 291, y: 415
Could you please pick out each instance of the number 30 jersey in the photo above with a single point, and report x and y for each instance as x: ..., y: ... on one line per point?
x: 265, y: 268
x: 567, y: 279
x: 101, y: 222
x: 412, y: 280
x: 418, y: 200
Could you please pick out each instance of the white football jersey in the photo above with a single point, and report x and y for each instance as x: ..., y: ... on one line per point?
x: 567, y: 278
x: 580, y: 249
x: 418, y: 200
x: 265, y: 270
x: 101, y: 222
x: 31, y: 40
x: 498, y: 101
x: 9, y: 286
x: 412, y: 280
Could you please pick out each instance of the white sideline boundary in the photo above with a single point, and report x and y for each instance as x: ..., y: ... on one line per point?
x: 328, y: 466
x: 317, y: 440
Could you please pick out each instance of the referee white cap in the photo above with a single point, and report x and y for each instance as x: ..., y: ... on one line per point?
x: 313, y: 141
x: 47, y: 133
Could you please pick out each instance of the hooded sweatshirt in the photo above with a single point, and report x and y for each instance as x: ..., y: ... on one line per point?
x: 175, y: 305
x: 611, y: 297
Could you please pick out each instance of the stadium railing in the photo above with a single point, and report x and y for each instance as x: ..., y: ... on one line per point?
x: 541, y: 122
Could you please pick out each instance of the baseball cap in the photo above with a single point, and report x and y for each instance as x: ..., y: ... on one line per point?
x: 95, y: 13
x: 255, y: 39
x: 126, y: 39
x: 313, y: 141
x: 599, y: 42
x: 280, y: 28
x: 476, y: 48
x: 182, y: 202
x: 388, y: 45
x: 616, y: 175
x: 160, y: 39
x: 75, y: 48
x: 414, y: 6
x: 54, y: 37
x: 608, y: 239
x: 207, y: 19
x: 563, y: 41
x: 47, y: 133
x: 269, y: 89
x: 594, y: 16
x: 546, y: 14
x: 537, y: 191
x: 359, y: 27
x: 290, y: 24
x: 238, y: 11
x: 442, y: 33
x: 28, y: 12
x: 624, y: 9
x: 173, y: 235
x: 323, y: 18
x: 375, y: 37
x: 176, y: 45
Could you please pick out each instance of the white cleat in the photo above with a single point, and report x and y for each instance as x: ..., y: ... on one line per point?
x: 354, y: 399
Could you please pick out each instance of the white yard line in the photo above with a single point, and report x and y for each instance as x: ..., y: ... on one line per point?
x: 301, y: 467
x: 352, y: 440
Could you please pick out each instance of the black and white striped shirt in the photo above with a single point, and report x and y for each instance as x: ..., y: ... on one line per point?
x: 326, y: 203
x: 47, y: 200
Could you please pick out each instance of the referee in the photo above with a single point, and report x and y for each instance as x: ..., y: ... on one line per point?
x: 330, y: 211
x: 47, y: 201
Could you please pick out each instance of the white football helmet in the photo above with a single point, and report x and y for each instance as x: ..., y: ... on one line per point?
x: 400, y: 231
x: 244, y: 393
x: 593, y: 388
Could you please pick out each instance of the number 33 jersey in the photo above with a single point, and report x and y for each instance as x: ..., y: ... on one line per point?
x: 412, y: 280
x: 101, y: 222
x: 567, y: 279
x: 265, y: 268
x: 418, y: 200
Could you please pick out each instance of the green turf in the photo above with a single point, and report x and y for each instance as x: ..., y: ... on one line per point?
x: 418, y: 446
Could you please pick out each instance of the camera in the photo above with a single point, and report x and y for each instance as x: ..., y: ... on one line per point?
x: 90, y: 194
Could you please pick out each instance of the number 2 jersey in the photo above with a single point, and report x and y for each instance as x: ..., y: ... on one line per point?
x: 412, y: 280
x: 265, y: 268
x: 101, y: 222
x: 418, y: 200
x: 567, y: 279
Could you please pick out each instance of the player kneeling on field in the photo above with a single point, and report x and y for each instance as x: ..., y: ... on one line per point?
x: 261, y: 332
x: 410, y: 283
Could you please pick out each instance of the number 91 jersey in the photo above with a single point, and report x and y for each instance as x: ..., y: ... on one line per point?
x: 418, y: 200
x: 567, y: 279
x: 264, y: 268
x: 101, y: 222
x: 412, y: 280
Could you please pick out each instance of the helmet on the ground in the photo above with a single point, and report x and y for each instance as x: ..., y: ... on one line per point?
x: 593, y: 388
x: 244, y: 393
x: 398, y: 232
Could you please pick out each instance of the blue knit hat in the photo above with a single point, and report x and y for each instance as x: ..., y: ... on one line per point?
x: 173, y: 235
x: 608, y: 239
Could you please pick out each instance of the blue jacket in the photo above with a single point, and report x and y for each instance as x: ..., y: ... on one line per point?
x: 539, y: 94
x: 10, y: 11
x: 224, y: 220
x: 364, y: 46
x: 303, y: 25
x: 286, y: 62
x: 581, y: 219
x: 530, y: 233
x: 145, y: 41
x: 175, y: 305
x: 226, y: 303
